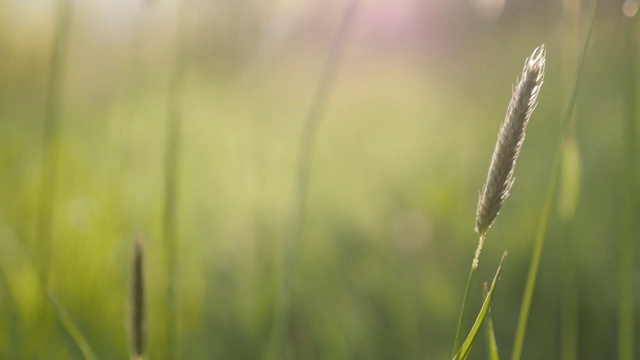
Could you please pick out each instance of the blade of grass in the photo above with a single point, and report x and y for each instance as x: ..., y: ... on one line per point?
x: 569, y: 298
x: 536, y: 255
x: 533, y: 269
x: 172, y: 164
x: 42, y: 245
x: 465, y: 299
x: 51, y: 140
x: 71, y: 328
x: 627, y: 252
x: 492, y: 344
x: 59, y: 313
x: 277, y: 341
x: 123, y: 126
x: 568, y: 197
x: 465, y: 349
x: 569, y: 191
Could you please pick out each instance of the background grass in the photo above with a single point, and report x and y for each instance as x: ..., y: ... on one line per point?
x: 402, y: 151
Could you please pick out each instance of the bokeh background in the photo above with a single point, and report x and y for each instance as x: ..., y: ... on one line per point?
x: 401, y: 150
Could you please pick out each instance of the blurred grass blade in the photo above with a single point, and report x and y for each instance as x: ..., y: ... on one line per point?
x: 277, y: 341
x: 51, y: 141
x: 172, y: 166
x: 570, y: 185
x: 536, y: 255
x: 628, y: 222
x: 71, y: 328
x: 464, y: 351
x: 569, y: 312
x: 492, y: 344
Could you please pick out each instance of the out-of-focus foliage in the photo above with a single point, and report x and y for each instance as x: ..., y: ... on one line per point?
x: 402, y: 150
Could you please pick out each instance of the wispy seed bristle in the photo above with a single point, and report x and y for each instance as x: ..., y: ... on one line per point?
x: 512, y: 132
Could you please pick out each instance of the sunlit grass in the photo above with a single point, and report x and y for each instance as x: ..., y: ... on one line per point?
x: 391, y: 201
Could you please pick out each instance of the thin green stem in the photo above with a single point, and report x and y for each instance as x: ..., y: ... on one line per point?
x: 72, y: 329
x: 569, y: 300
x: 492, y: 344
x: 465, y: 299
x: 627, y: 251
x: 463, y: 312
x: 42, y: 245
x: 51, y: 141
x: 551, y: 191
x: 277, y: 342
x: 533, y: 269
x: 569, y: 193
x: 465, y: 349
x: 172, y: 164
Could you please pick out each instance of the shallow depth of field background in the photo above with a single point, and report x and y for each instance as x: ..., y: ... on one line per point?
x: 401, y: 152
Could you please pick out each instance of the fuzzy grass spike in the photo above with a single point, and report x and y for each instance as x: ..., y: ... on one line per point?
x: 512, y: 131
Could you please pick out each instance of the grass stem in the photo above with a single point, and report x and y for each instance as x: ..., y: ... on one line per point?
x: 569, y: 299
x: 500, y: 177
x: 627, y: 251
x: 51, y: 141
x: 569, y: 192
x: 172, y: 164
x: 465, y: 299
x: 72, y: 329
x: 492, y: 344
x: 536, y: 255
x: 465, y: 349
x: 277, y: 341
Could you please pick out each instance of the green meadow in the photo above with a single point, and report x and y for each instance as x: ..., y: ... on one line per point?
x: 305, y: 182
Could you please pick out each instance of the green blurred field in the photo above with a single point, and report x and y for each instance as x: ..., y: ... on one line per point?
x: 402, y: 149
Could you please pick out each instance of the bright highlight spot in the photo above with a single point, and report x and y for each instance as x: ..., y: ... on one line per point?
x: 630, y: 8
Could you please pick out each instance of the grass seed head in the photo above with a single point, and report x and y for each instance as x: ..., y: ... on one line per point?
x: 512, y: 132
x: 137, y: 312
